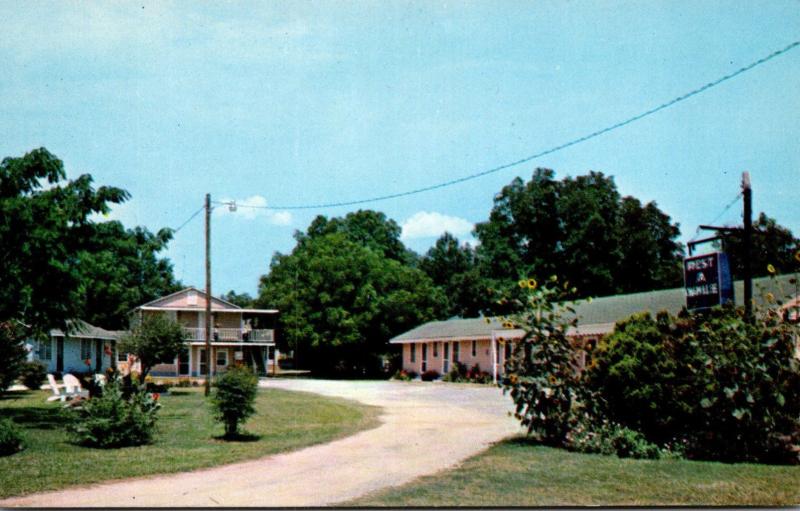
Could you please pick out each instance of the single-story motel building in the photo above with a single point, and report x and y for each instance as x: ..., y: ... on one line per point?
x: 474, y: 341
x: 238, y: 335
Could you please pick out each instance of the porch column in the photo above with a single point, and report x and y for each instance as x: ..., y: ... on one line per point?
x: 494, y: 357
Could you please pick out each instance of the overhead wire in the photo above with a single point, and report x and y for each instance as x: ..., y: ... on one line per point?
x: 724, y: 210
x: 174, y: 231
x: 545, y: 152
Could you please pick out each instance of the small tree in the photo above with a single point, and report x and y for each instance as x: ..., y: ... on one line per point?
x: 154, y: 340
x: 233, y: 401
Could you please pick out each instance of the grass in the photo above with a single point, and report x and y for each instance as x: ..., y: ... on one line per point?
x: 518, y: 473
x: 187, y: 438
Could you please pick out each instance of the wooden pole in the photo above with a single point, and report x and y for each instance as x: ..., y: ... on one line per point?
x: 208, y: 294
x: 747, y: 195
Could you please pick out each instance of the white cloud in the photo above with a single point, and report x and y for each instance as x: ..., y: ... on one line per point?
x: 251, y: 208
x: 430, y: 224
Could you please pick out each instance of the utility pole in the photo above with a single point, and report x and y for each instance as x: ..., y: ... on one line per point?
x: 208, y: 294
x: 747, y: 195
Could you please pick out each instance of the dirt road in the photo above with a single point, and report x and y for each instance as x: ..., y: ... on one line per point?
x: 425, y: 427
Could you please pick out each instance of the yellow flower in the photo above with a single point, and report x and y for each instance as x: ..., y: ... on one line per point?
x: 552, y: 380
x: 532, y: 283
x: 797, y: 256
x: 770, y: 297
x: 770, y: 268
x: 488, y: 320
x: 553, y: 278
x: 522, y: 283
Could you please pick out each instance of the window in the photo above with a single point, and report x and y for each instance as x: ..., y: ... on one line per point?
x: 45, y: 350
x: 86, y: 349
x: 446, y: 364
x: 191, y: 298
x: 122, y: 356
x: 456, y: 350
x: 474, y: 349
x: 413, y: 352
x: 435, y: 349
x: 222, y: 357
x: 424, y: 366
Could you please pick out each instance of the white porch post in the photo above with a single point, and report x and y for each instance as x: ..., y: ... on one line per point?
x: 494, y: 358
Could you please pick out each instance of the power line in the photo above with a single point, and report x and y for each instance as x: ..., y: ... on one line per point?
x: 188, y: 220
x: 551, y: 150
x: 725, y: 210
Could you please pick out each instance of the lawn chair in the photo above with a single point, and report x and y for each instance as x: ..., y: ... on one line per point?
x: 73, y: 387
x: 59, y: 392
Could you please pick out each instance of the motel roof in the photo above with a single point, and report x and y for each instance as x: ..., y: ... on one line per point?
x: 79, y: 329
x: 594, y: 318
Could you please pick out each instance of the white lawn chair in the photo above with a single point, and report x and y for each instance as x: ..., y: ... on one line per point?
x: 59, y: 392
x: 73, y: 387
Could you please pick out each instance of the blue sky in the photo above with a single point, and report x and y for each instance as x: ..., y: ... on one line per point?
x: 286, y: 103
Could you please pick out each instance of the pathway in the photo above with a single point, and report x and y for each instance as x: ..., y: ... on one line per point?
x: 425, y: 428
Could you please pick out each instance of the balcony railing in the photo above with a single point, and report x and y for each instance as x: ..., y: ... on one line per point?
x: 229, y: 334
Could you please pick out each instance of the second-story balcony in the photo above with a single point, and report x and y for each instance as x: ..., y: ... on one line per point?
x: 229, y: 335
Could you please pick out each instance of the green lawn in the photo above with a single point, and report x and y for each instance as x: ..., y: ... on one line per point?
x: 185, y: 439
x: 517, y: 473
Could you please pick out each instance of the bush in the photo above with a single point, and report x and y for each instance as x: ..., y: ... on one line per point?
x: 457, y: 373
x: 112, y: 420
x: 724, y: 387
x: 429, y: 375
x: 33, y: 374
x: 12, y: 353
x: 233, y: 401
x: 404, y: 375
x: 611, y: 438
x: 11, y: 439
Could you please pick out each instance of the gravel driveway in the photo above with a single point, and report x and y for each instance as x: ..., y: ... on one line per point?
x: 425, y: 427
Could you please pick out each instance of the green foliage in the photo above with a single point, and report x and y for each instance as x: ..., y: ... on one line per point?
x: 121, y: 270
x: 541, y: 373
x: 581, y: 230
x: 403, y: 375
x: 459, y: 373
x: 11, y: 438
x: 234, y: 398
x: 724, y: 387
x: 44, y: 226
x: 113, y: 420
x: 772, y: 245
x: 33, y: 374
x: 12, y: 353
x: 341, y: 302
x: 155, y: 339
x: 243, y: 300
x: 453, y: 268
x: 611, y: 438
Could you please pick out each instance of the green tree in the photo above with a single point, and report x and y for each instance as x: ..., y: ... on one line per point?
x: 772, y: 244
x: 452, y: 267
x: 340, y: 302
x: 121, y: 270
x: 580, y: 229
x: 44, y: 225
x: 155, y: 339
x: 243, y: 300
x: 370, y: 229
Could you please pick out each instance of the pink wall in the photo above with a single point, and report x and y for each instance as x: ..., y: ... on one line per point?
x: 436, y: 353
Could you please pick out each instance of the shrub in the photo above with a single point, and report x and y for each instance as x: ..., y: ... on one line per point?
x: 429, y: 375
x: 11, y: 439
x: 234, y: 398
x: 404, y: 375
x: 112, y: 420
x: 724, y: 387
x: 611, y: 438
x: 12, y: 353
x: 183, y: 382
x: 457, y: 373
x: 33, y: 374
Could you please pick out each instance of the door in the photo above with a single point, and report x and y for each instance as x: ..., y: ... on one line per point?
x: 183, y: 362
x: 424, y: 366
x: 59, y: 354
x: 446, y: 359
x: 98, y: 355
x: 203, y: 362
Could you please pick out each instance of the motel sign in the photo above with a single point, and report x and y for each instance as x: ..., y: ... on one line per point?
x: 708, y: 281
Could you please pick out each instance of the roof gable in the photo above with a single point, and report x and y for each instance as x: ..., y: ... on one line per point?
x: 190, y: 297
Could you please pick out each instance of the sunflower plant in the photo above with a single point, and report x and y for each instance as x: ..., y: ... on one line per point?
x: 541, y: 374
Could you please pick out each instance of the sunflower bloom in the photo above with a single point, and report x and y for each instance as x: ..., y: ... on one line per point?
x: 770, y: 297
x: 522, y: 284
x: 532, y: 283
x: 770, y: 268
x: 552, y: 380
